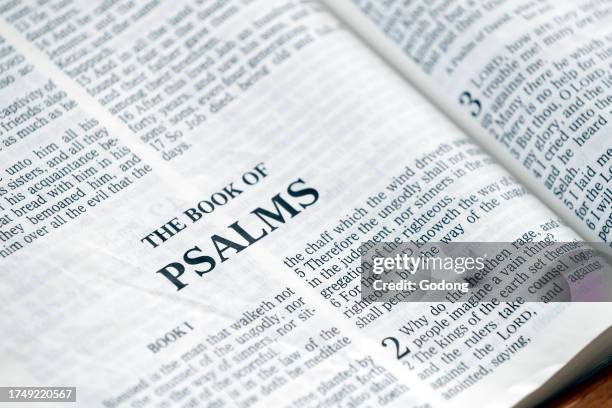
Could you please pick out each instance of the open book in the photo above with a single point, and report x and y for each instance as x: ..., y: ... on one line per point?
x: 185, y: 186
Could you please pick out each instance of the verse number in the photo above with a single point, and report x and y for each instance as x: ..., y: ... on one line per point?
x: 397, y: 347
x: 467, y: 99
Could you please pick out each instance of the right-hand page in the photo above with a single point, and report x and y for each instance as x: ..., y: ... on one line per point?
x: 531, y: 80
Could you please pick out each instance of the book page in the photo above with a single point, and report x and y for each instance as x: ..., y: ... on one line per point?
x: 530, y: 80
x: 184, y: 189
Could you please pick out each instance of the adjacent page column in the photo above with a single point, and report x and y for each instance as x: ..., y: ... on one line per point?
x: 531, y: 80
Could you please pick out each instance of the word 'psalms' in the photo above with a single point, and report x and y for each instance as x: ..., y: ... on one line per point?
x: 237, y: 238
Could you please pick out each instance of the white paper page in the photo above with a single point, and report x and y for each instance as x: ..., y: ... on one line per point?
x: 530, y: 80
x: 86, y: 304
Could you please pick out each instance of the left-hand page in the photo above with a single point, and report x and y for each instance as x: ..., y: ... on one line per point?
x: 116, y: 118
